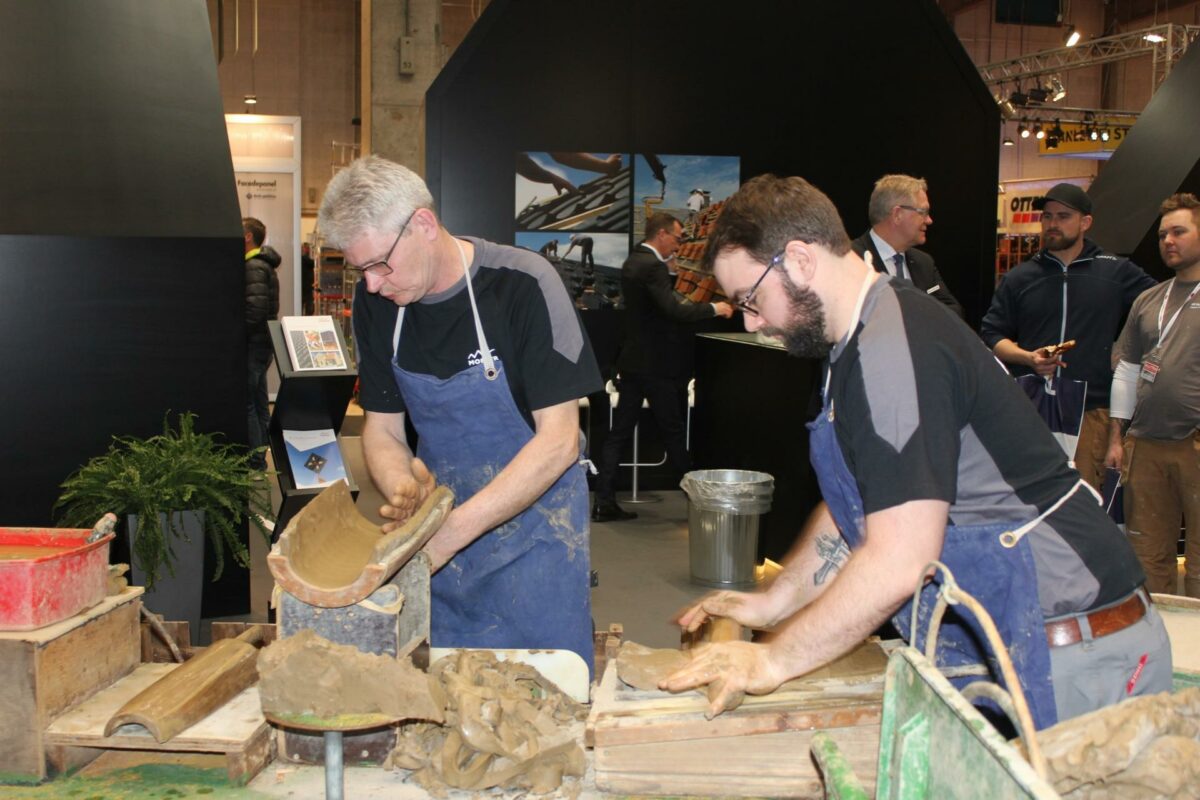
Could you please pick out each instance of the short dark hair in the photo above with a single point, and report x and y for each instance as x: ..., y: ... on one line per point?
x: 770, y: 211
x: 257, y: 231
x: 1183, y: 200
x: 661, y: 221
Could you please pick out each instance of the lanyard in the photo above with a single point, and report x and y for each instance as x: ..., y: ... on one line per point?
x: 1162, y: 311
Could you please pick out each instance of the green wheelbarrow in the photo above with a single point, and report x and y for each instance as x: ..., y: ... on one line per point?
x: 933, y: 743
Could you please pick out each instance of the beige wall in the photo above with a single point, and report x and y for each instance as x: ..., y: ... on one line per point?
x: 305, y: 66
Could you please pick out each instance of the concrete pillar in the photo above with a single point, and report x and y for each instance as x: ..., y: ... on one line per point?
x: 406, y: 55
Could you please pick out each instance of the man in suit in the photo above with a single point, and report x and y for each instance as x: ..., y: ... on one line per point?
x: 899, y: 214
x: 654, y: 361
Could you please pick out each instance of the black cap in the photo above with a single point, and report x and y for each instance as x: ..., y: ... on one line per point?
x: 1069, y: 195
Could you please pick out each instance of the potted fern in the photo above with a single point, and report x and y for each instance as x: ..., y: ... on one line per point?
x: 172, y: 489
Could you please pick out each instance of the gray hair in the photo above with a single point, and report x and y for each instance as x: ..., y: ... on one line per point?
x: 372, y: 194
x: 891, y: 191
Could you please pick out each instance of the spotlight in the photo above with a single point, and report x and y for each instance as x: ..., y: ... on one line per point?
x: 1073, y: 36
x: 1006, y: 108
x: 1056, y: 88
x: 251, y: 99
x: 1019, y: 98
x: 1038, y: 132
x: 1155, y: 38
x: 1051, y: 142
x: 1022, y: 131
x: 1038, y: 95
x: 1104, y: 135
x: 1008, y: 142
x: 1093, y: 134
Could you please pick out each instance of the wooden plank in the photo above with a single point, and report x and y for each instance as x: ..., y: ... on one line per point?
x: 242, y: 765
x: 230, y: 630
x: 229, y: 728
x: 90, y: 657
x: 603, y: 698
x: 773, y: 765
x: 21, y: 732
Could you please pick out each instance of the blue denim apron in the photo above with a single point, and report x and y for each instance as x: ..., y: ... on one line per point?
x: 993, y: 563
x: 524, y: 584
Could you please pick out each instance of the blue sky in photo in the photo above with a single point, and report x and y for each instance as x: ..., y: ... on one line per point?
x: 528, y: 191
x: 720, y: 175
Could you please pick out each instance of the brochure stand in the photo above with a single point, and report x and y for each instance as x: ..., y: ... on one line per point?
x: 309, y: 402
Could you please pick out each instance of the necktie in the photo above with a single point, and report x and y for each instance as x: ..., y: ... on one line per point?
x: 898, y: 259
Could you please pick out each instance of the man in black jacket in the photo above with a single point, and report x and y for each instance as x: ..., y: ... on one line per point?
x: 653, y: 362
x: 1069, y: 290
x: 899, y: 214
x: 262, y: 304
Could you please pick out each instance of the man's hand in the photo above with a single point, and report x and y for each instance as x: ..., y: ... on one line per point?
x: 1044, y: 361
x: 750, y: 609
x: 407, y: 495
x: 1115, y: 456
x: 733, y: 668
x: 723, y: 309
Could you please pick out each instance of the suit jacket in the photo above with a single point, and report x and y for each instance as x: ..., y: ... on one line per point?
x: 920, y: 267
x: 657, y: 336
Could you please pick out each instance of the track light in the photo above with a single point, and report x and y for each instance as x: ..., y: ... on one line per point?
x: 1073, y: 36
x: 1038, y: 95
x: 1022, y: 131
x: 1056, y: 88
x: 1155, y: 38
x: 1006, y: 108
x: 1093, y: 134
x: 1038, y: 133
x: 1104, y: 135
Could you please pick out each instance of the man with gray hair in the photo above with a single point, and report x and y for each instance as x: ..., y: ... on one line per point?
x: 899, y: 214
x: 479, y: 345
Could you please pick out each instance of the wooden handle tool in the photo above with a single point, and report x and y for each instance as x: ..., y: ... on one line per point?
x: 194, y: 689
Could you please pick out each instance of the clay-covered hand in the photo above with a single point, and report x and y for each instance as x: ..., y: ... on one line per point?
x: 407, y: 495
x: 723, y: 310
x: 730, y: 669
x: 1043, y: 361
x: 751, y: 609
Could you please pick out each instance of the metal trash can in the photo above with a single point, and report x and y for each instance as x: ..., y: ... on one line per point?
x: 724, y: 506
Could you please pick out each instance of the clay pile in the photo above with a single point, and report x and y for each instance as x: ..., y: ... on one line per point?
x: 1147, y: 747
x: 307, y: 675
x: 505, y: 727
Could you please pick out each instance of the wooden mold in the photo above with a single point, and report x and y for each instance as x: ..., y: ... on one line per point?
x: 331, y: 556
x: 660, y: 744
x: 236, y: 730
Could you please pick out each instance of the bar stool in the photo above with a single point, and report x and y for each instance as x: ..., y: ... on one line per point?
x: 613, y: 397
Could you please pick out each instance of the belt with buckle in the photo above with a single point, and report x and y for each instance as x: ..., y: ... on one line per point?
x: 1103, y: 622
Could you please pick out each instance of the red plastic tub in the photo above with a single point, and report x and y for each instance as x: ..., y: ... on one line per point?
x: 49, y: 574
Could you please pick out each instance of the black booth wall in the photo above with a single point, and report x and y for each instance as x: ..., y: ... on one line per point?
x: 120, y: 240
x: 840, y: 93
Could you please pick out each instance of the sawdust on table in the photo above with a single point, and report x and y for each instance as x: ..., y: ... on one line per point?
x: 506, y: 727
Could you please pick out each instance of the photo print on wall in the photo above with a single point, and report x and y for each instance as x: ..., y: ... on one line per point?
x: 589, y: 263
x: 561, y: 191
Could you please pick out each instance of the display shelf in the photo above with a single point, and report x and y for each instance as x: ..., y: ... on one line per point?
x: 307, y: 401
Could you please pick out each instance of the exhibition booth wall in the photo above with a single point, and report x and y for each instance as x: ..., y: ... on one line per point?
x: 120, y: 239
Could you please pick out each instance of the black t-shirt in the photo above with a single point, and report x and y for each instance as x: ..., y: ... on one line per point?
x: 530, y: 323
x: 925, y: 412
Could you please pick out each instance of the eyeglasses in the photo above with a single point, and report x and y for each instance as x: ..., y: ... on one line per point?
x: 381, y: 268
x: 743, y: 305
x: 922, y: 212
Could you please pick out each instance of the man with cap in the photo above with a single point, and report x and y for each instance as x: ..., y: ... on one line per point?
x: 1069, y: 290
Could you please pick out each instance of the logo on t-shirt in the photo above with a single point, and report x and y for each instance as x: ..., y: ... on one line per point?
x: 476, y: 358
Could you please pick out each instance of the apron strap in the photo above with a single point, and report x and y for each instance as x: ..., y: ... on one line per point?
x: 485, y: 352
x: 1010, y: 539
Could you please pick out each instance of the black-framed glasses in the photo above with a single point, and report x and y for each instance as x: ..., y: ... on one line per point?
x: 743, y: 305
x: 923, y: 212
x: 381, y: 268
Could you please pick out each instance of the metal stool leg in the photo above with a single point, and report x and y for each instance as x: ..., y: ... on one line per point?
x: 334, y: 773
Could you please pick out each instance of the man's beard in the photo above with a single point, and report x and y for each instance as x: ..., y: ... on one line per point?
x: 805, y: 335
x: 1063, y: 242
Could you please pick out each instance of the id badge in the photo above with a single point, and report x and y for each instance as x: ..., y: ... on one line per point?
x: 1150, y: 368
